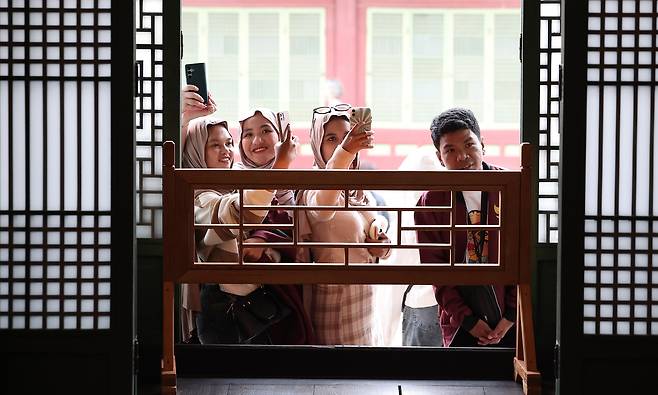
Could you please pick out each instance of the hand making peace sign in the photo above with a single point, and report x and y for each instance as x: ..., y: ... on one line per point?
x: 286, y: 150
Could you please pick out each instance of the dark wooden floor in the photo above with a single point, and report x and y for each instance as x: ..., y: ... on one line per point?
x: 203, y: 386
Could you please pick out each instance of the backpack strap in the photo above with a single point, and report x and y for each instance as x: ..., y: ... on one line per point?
x: 404, y: 296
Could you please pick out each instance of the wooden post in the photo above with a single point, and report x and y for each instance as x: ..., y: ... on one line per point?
x: 525, y: 362
x: 519, y: 335
x: 168, y: 364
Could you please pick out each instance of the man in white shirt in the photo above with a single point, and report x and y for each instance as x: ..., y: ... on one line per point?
x: 420, y: 311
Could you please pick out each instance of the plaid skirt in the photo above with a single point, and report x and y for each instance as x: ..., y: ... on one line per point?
x: 343, y: 314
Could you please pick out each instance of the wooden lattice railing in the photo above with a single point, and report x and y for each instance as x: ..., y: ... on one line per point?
x: 512, y: 266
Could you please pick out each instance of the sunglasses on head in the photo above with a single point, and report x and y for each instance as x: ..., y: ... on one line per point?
x: 328, y: 109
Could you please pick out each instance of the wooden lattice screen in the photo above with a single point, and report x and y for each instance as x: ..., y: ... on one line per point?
x: 512, y: 266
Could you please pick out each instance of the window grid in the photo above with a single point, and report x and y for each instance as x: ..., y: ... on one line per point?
x: 297, y: 30
x: 550, y: 58
x: 54, y: 193
x: 149, y: 119
x: 621, y: 278
x: 386, y: 26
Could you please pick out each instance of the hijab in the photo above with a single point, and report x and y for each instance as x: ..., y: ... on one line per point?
x: 356, y: 198
x: 194, y: 147
x: 270, y: 116
x: 285, y: 196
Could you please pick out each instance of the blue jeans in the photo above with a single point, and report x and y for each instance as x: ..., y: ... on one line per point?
x: 420, y: 326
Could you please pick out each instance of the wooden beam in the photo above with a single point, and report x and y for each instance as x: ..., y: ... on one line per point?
x: 341, y: 274
x: 168, y: 327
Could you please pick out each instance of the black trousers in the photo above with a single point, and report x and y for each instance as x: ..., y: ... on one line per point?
x: 216, y: 324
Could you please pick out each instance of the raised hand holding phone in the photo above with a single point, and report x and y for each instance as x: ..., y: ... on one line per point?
x: 358, y: 139
x: 192, y: 105
x: 283, y: 120
x: 362, y: 115
x: 195, y: 74
x: 288, y: 148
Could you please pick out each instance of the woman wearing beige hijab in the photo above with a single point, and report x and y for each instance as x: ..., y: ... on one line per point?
x: 341, y: 314
x: 192, y: 107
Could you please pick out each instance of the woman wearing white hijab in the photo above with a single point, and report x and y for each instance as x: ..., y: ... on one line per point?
x: 208, y: 144
x: 259, y: 135
x: 341, y: 314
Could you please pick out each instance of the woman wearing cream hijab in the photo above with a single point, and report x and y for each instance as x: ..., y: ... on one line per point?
x: 208, y: 144
x: 259, y: 136
x: 341, y: 314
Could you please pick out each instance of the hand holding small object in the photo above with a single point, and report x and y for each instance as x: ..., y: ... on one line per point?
x: 377, y: 234
x: 286, y: 150
x: 192, y: 105
x: 358, y: 139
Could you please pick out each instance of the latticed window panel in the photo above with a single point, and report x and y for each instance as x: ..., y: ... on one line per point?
x: 55, y: 165
x: 385, y: 64
x: 271, y: 57
x: 427, y: 66
x: 149, y: 122
x: 468, y: 44
x: 621, y: 185
x: 550, y: 58
x: 419, y: 61
x: 306, y: 62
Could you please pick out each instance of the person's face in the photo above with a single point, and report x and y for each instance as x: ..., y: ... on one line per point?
x: 460, y: 150
x: 258, y: 139
x: 219, y: 148
x: 334, y: 133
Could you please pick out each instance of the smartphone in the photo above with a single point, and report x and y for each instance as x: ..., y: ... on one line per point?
x: 284, y: 122
x: 363, y: 115
x: 195, y: 74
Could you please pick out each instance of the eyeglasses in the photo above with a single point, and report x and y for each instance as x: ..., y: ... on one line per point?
x: 328, y: 109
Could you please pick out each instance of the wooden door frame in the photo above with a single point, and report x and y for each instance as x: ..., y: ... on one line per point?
x: 530, y: 74
x: 572, y: 188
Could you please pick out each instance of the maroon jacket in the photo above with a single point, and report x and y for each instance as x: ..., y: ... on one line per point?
x: 459, y: 305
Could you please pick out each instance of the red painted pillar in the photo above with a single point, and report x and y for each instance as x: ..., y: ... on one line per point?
x: 361, y: 19
x: 344, y: 55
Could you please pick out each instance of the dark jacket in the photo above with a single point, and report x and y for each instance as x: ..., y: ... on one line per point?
x: 462, y: 305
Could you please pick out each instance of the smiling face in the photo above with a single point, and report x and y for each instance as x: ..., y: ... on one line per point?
x: 258, y: 139
x: 334, y: 133
x: 460, y: 150
x: 219, y: 148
